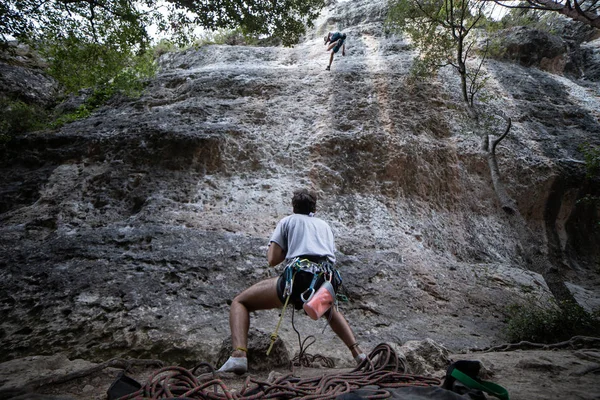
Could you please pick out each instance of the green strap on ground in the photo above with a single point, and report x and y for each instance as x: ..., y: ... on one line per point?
x: 488, y: 387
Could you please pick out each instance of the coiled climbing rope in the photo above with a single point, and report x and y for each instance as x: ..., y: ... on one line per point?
x: 382, y: 368
x: 304, y: 358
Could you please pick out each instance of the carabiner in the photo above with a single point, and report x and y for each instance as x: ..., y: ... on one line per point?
x: 289, y: 280
x: 312, y: 290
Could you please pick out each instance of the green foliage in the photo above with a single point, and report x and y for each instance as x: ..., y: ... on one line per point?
x: 520, y: 17
x: 82, y: 112
x: 423, y: 27
x: 441, y: 31
x: 129, y: 19
x: 549, y: 323
x: 18, y: 117
x: 591, y: 154
x: 220, y: 37
x: 127, y: 82
x: 103, y: 45
x: 285, y: 19
x: 496, y: 48
x: 542, y: 20
x: 525, y: 13
x: 227, y: 36
x: 107, y: 69
x: 78, y: 63
x: 163, y: 47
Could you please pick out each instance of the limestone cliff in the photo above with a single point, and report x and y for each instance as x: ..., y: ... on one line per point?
x: 128, y: 233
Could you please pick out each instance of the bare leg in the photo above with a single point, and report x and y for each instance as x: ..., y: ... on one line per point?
x: 330, y: 60
x: 340, y: 326
x: 260, y: 296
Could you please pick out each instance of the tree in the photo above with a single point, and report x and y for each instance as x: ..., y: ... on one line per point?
x: 89, y: 20
x: 27, y: 19
x: 586, y: 11
x: 92, y: 43
x: 285, y: 19
x: 531, y: 244
x: 441, y: 30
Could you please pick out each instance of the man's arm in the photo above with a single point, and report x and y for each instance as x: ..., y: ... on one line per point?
x: 275, y: 254
x: 344, y: 49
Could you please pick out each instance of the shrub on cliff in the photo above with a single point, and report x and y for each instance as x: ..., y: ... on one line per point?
x: 550, y: 323
x: 18, y: 117
x: 442, y: 32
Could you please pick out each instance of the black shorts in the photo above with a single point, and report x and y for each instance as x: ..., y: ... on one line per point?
x: 338, y: 46
x: 302, y: 282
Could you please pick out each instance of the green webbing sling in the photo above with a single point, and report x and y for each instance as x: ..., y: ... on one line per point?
x: 488, y: 387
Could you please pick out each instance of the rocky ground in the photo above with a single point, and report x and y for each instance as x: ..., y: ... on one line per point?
x: 571, y: 374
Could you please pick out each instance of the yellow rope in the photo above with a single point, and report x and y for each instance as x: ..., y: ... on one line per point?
x: 274, y: 335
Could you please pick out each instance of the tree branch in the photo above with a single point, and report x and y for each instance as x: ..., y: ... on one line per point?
x: 587, y: 16
x: 495, y: 142
x: 508, y: 204
x: 574, y: 343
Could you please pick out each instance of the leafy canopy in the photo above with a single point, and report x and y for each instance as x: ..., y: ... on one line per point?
x: 442, y: 31
x: 101, y: 20
x: 585, y: 11
x: 90, y: 42
x: 105, y: 44
x: 285, y: 19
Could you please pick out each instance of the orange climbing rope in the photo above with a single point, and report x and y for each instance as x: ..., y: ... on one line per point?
x: 382, y: 368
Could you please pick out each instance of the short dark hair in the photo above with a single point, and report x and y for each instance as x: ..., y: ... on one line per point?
x: 304, y: 201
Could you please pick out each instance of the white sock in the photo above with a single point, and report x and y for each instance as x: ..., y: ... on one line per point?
x: 237, y: 365
x: 360, y: 357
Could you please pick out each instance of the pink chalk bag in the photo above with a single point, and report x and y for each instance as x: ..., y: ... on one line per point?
x: 320, y: 301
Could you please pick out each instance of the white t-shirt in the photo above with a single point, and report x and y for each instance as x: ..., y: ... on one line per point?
x: 302, y: 235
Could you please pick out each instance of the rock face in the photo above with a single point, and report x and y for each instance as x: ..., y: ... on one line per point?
x: 128, y: 233
x: 573, y: 52
x: 22, y: 78
x: 531, y: 46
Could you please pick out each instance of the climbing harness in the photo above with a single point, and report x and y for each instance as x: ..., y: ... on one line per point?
x: 289, y: 273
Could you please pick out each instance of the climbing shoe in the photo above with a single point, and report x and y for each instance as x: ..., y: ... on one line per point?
x: 360, y: 358
x: 237, y: 365
x: 328, y: 68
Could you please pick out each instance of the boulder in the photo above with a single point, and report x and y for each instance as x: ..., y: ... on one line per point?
x: 533, y: 47
x: 425, y: 357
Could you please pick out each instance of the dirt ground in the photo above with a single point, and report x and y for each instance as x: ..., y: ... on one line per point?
x: 527, y: 375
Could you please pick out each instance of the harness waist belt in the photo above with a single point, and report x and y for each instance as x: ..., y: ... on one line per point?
x: 315, y: 259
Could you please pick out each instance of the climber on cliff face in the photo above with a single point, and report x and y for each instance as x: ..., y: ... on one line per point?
x: 336, y: 41
x: 299, y: 236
